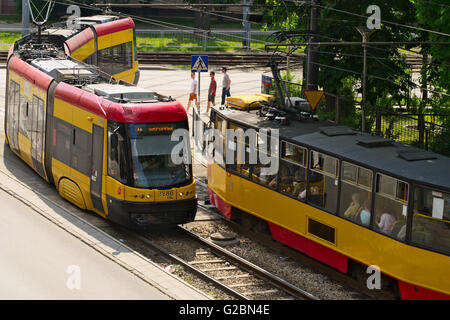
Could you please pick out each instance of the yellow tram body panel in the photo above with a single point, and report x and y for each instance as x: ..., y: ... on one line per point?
x: 128, y: 75
x: 114, y: 39
x: 84, y: 51
x: 27, y: 92
x: 83, y: 119
x: 117, y: 38
x: 399, y: 260
x: 122, y: 192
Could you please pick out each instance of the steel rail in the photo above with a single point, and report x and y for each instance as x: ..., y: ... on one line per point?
x: 237, y: 261
x: 186, y: 265
x: 252, y: 268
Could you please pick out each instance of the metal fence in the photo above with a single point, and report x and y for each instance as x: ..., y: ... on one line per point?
x: 426, y: 131
x: 429, y: 131
x: 167, y: 40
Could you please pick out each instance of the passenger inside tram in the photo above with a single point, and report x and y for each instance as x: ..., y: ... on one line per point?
x: 364, y: 215
x: 150, y: 162
x: 354, y: 207
x: 384, y: 220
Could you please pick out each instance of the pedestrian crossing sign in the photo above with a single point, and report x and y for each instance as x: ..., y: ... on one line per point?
x: 199, y: 63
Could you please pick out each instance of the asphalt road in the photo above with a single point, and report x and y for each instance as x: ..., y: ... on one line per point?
x: 38, y: 260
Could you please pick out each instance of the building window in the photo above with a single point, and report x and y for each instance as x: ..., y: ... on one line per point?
x: 356, y: 194
x: 431, y: 220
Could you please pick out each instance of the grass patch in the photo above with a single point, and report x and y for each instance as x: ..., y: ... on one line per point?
x: 8, y: 38
x: 188, y: 41
x: 170, y: 41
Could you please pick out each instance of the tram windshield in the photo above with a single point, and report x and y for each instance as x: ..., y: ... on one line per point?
x: 151, y: 153
x: 150, y: 148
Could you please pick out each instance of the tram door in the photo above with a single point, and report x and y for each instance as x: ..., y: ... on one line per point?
x: 97, y: 167
x: 13, y: 115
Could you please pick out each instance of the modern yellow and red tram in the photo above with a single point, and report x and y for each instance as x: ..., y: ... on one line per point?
x: 105, y: 145
x: 347, y: 199
x: 103, y: 40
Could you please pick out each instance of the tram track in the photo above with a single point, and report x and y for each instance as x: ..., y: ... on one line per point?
x: 266, y: 240
x: 250, y: 59
x: 184, y: 58
x: 230, y: 273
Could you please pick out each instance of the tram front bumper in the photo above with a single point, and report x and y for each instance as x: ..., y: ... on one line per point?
x: 138, y: 215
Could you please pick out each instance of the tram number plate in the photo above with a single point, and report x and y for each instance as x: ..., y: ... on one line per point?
x: 166, y: 194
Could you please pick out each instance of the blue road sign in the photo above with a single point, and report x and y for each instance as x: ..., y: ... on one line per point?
x: 199, y: 63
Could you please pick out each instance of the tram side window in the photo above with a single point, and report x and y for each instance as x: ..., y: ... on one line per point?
x: 90, y: 59
x: 266, y: 169
x: 36, y: 127
x: 220, y: 126
x: 356, y: 194
x: 238, y: 150
x: 292, y: 174
x: 135, y: 45
x: 24, y: 110
x: 63, y: 141
x: 391, y: 206
x: 117, y: 155
x: 13, y: 115
x: 431, y: 220
x: 81, y: 151
x: 116, y: 59
x: 323, y: 183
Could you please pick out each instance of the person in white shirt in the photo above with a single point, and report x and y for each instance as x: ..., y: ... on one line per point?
x: 193, y: 93
x: 226, y: 82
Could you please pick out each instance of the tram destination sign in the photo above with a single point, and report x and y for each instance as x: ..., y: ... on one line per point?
x: 199, y: 63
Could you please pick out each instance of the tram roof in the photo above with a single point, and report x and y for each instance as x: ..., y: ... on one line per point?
x: 383, y: 158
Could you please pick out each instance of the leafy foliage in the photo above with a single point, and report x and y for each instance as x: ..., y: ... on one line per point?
x: 387, y: 72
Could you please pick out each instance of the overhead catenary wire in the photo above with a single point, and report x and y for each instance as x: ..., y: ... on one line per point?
x: 380, y: 78
x: 384, y: 21
x: 168, y: 25
x: 181, y: 27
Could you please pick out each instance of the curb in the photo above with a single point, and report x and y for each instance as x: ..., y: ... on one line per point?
x: 90, y: 243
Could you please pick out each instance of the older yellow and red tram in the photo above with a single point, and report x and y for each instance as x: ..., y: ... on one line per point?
x: 347, y: 199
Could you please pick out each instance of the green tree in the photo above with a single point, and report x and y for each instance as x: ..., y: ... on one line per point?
x: 337, y: 20
x: 435, y: 16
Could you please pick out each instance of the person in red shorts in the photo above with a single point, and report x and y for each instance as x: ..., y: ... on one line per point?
x: 211, y: 91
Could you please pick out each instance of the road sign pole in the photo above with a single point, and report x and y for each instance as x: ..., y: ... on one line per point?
x: 198, y: 96
x: 199, y: 64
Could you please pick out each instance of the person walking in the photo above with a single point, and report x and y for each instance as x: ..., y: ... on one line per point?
x: 211, y: 91
x: 225, y: 84
x: 193, y: 93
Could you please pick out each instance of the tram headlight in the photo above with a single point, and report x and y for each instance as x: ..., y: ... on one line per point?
x: 181, y: 194
x: 149, y: 196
